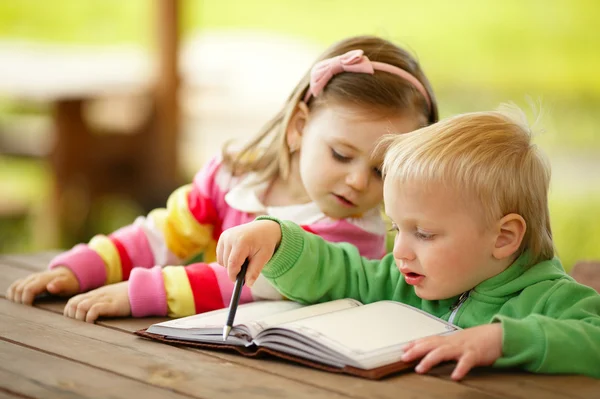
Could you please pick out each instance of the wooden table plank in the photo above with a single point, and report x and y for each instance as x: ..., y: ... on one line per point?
x: 533, y: 386
x: 9, y: 395
x: 522, y: 385
x: 55, y: 377
x: 487, y: 383
x: 9, y: 274
x: 33, y: 262
x: 186, y: 372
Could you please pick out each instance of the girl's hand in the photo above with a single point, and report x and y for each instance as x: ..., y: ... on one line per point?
x: 109, y: 301
x: 476, y: 346
x: 256, y: 241
x: 58, y: 281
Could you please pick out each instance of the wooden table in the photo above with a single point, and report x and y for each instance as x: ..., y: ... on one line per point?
x: 46, y: 355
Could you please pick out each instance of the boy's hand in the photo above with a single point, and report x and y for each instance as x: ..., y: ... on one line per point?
x: 109, y: 301
x: 256, y: 241
x: 58, y: 281
x: 476, y: 346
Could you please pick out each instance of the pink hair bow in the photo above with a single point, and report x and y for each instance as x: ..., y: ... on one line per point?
x: 352, y: 61
x: 355, y: 61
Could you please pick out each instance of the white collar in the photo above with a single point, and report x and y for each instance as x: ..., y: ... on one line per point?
x: 245, y: 197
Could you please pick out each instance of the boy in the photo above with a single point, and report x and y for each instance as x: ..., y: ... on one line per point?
x: 468, y: 199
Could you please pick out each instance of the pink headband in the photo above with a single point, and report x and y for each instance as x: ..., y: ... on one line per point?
x: 355, y: 61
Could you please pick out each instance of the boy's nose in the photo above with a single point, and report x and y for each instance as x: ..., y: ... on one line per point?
x: 402, y: 248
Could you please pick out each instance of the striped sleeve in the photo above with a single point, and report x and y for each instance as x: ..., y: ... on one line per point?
x: 179, y: 291
x: 189, y: 225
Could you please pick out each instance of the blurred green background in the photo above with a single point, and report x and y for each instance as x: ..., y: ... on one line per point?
x: 477, y: 54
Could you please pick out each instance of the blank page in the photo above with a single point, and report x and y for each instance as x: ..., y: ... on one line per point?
x: 245, y: 313
x: 306, y: 312
x: 371, y: 328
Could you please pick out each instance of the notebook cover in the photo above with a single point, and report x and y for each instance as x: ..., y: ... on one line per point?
x: 372, y: 374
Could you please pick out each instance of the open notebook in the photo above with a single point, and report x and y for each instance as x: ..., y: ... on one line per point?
x: 343, y: 335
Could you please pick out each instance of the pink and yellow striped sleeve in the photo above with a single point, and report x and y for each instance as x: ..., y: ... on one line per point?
x: 179, y: 291
x: 188, y: 226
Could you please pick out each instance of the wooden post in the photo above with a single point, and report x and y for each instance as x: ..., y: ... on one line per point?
x: 70, y: 203
x: 165, y: 174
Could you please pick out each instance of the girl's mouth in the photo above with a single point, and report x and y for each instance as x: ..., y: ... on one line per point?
x: 344, y: 201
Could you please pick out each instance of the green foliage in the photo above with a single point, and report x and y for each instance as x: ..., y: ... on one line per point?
x: 576, y: 227
x: 93, y: 22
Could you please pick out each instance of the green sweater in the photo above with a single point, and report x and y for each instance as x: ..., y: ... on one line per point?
x: 550, y: 323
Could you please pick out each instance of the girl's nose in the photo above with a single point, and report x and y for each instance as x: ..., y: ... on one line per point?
x: 358, y: 179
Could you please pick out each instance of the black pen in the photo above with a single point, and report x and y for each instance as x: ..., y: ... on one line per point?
x: 235, y: 299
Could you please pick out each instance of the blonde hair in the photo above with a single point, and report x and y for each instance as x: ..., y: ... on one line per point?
x: 382, y: 93
x: 486, y: 156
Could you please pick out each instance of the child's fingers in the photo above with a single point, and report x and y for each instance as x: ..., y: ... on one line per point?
x: 435, y: 357
x: 465, y: 364
x: 10, y: 291
x: 62, y: 285
x: 31, y: 288
x: 226, y: 257
x: 224, y: 247
x: 28, y: 294
x: 108, y: 307
x: 56, y: 286
x: 71, y: 306
x: 97, y: 310
x: 235, y: 259
x: 255, y: 266
x: 82, y: 308
x: 220, y: 250
x: 417, y: 350
x: 18, y: 289
x: 408, y: 346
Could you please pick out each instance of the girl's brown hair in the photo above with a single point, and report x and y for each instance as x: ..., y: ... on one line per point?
x: 383, y: 93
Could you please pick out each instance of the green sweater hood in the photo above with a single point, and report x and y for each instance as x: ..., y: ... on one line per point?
x: 521, y: 275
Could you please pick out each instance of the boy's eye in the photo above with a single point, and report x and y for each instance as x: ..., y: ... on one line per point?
x: 424, y: 236
x: 394, y: 227
x: 336, y: 155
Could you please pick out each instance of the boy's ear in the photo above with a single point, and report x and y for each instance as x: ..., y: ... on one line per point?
x: 510, y: 231
x: 295, y: 127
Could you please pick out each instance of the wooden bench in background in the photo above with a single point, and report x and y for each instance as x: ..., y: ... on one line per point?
x: 87, y: 164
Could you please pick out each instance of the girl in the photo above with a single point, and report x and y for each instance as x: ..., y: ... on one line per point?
x: 311, y: 164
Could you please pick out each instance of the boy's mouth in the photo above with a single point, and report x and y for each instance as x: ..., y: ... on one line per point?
x: 412, y: 278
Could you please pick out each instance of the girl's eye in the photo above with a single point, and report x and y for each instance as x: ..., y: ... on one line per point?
x: 336, y: 155
x: 393, y: 228
x: 377, y: 172
x: 424, y: 236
